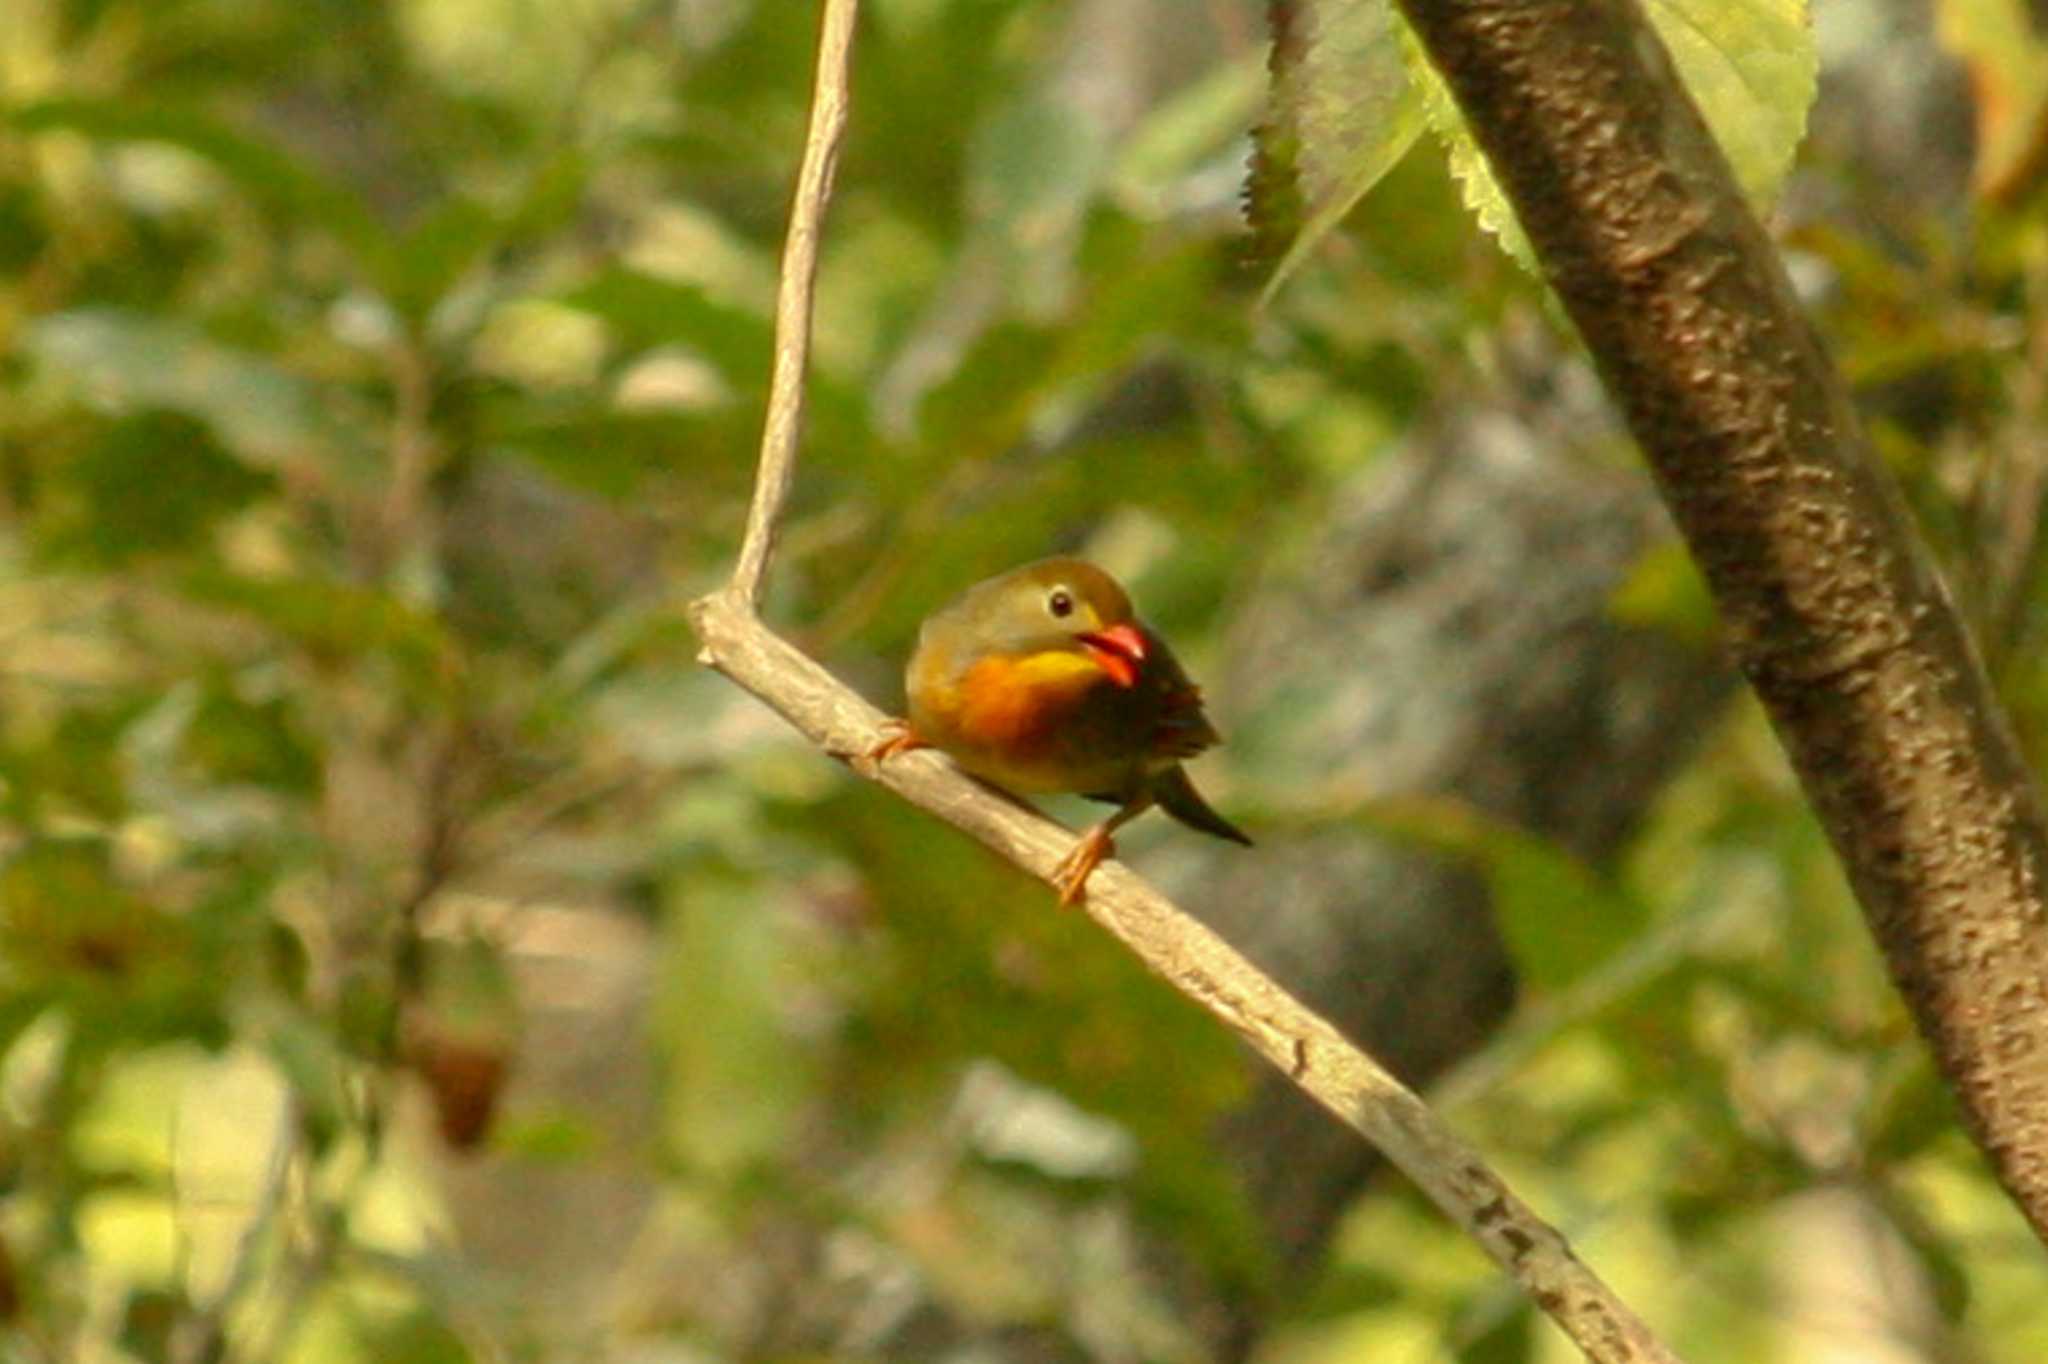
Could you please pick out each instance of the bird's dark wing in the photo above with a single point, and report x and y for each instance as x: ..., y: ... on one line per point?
x: 1180, y: 729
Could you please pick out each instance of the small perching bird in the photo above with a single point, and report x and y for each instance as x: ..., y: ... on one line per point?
x: 1042, y: 679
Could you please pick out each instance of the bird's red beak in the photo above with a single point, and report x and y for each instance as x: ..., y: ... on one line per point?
x: 1119, y: 651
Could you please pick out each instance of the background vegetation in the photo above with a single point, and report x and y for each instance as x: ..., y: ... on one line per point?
x: 407, y: 953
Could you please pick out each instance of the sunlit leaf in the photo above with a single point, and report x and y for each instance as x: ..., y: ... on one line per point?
x: 1753, y: 69
x: 232, y: 1117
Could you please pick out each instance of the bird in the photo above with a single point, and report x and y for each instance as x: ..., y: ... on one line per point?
x: 1043, y: 680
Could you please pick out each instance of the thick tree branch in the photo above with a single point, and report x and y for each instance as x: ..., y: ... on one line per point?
x: 1834, y: 610
x: 1304, y: 1046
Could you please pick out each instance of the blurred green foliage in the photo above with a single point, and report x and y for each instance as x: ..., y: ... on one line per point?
x: 408, y: 954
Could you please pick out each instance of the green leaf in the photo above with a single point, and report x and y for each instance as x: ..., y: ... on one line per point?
x: 269, y: 174
x: 1482, y: 195
x: 1908, y: 1115
x: 150, y: 482
x: 236, y: 740
x: 1186, y: 136
x: 614, y: 454
x: 1664, y: 590
x: 437, y: 252
x: 1033, y: 163
x: 64, y: 913
x: 736, y: 1074
x: 331, y: 620
x: 1507, y: 1339
x: 1343, y: 110
x: 1340, y: 118
x: 128, y: 361
x: 554, y: 195
x: 1561, y: 918
x: 980, y: 409
x: 1346, y: 1289
x: 23, y: 233
x: 414, y: 1338
x: 76, y: 765
x: 1031, y: 173
x: 553, y: 1138
x: 1750, y: 66
x: 312, y: 1061
x: 645, y: 311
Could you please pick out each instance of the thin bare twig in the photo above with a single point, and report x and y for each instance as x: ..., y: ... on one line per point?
x: 784, y: 424
x: 1180, y: 949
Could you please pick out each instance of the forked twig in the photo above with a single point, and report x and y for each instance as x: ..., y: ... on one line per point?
x: 1179, y: 948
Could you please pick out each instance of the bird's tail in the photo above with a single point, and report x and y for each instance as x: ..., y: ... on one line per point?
x: 1177, y: 796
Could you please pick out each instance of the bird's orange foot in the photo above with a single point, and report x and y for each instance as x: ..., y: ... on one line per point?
x: 1071, y: 875
x: 897, y: 737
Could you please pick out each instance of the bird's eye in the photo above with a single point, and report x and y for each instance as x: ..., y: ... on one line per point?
x: 1060, y: 602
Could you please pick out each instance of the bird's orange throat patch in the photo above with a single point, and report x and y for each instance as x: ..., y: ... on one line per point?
x: 1007, y: 701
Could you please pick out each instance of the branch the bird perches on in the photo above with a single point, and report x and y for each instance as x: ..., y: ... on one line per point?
x: 1180, y: 949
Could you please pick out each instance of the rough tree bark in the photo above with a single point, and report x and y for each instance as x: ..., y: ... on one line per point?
x: 1833, y: 609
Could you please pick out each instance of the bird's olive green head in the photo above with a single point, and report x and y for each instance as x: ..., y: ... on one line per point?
x: 1053, y: 604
